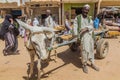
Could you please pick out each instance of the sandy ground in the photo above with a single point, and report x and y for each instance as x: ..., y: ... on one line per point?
x: 67, y: 67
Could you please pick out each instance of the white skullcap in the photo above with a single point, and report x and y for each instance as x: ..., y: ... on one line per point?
x: 35, y: 18
x: 86, y: 6
x: 48, y: 11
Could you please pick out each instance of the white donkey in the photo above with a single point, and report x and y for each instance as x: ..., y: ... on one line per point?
x: 36, y: 44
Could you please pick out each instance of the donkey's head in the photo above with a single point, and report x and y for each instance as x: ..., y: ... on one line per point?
x: 37, y: 38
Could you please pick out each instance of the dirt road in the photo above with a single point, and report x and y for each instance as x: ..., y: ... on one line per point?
x: 68, y: 66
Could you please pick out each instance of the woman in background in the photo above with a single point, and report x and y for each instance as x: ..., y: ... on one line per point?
x: 8, y: 29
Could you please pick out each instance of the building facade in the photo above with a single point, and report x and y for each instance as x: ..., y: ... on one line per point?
x: 15, y: 7
x: 73, y: 7
x: 107, y: 3
x: 37, y: 8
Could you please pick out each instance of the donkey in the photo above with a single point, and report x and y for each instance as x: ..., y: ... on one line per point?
x: 36, y: 44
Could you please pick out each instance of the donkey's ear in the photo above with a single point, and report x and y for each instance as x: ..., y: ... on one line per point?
x: 24, y: 25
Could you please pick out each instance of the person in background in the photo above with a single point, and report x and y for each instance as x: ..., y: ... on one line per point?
x: 55, y: 23
x: 67, y: 25
x: 28, y: 21
x: 49, y: 20
x: 83, y: 30
x: 35, y: 22
x: 16, y: 33
x: 21, y: 29
x: 96, y: 22
x: 118, y: 19
x: 9, y: 33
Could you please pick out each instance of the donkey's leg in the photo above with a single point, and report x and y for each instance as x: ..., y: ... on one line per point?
x: 52, y: 59
x: 39, y: 69
x: 32, y: 57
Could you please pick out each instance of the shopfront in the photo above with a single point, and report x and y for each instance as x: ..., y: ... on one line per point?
x: 74, y: 8
x: 109, y: 4
x: 7, y: 8
x: 14, y: 7
x: 37, y: 8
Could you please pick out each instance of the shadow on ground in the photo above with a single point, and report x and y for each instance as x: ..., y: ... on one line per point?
x: 67, y: 56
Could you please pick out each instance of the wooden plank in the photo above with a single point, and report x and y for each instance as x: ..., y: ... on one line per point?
x: 41, y: 3
x: 44, y: 0
x: 110, y: 0
x: 8, y: 5
x: 79, y: 1
x: 110, y: 3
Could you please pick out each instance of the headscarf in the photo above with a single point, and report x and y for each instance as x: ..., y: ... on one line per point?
x: 6, y: 23
x: 8, y: 16
x: 6, y: 20
x: 86, y: 6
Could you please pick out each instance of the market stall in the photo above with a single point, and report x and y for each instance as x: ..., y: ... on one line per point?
x: 37, y: 8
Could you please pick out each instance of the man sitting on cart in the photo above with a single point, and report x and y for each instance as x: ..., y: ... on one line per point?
x: 83, y: 29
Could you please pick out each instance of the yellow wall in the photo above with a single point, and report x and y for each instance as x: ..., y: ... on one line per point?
x: 67, y: 7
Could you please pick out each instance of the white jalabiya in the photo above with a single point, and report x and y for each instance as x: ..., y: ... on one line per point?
x: 35, y: 22
x: 49, y: 22
x: 87, y: 42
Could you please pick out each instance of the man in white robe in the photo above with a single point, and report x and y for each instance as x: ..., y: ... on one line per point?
x: 49, y: 20
x: 67, y: 25
x: 83, y: 28
x: 35, y: 22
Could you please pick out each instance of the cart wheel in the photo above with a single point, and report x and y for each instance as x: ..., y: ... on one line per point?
x: 73, y: 47
x: 102, y: 48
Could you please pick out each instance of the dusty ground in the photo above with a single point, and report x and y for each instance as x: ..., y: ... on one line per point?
x: 68, y: 66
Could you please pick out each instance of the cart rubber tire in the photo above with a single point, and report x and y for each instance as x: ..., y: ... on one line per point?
x: 102, y: 49
x: 73, y: 47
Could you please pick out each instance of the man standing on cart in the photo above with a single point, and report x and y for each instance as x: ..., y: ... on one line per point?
x: 83, y: 29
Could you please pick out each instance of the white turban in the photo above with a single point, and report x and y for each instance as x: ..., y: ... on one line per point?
x: 86, y: 6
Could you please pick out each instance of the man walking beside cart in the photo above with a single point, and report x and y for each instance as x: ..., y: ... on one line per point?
x: 83, y: 28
